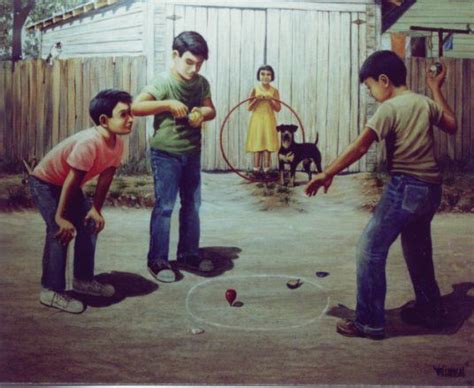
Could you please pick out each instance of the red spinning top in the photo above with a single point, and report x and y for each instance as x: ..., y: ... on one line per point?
x: 230, y: 295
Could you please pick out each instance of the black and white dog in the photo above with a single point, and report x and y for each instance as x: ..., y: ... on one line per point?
x: 293, y: 153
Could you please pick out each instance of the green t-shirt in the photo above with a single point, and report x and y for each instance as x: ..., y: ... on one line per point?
x: 177, y: 136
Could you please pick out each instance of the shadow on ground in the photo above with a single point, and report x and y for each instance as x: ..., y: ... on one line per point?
x: 458, y: 304
x: 221, y: 257
x: 126, y: 285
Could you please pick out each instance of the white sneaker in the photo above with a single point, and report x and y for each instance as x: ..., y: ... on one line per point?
x: 61, y: 302
x: 93, y: 287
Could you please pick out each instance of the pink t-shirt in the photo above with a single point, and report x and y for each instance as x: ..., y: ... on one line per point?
x: 85, y: 151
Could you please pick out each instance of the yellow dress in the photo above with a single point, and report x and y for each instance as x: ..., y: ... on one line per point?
x: 262, y: 134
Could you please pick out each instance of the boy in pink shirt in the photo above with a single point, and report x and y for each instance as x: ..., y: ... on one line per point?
x: 56, y: 190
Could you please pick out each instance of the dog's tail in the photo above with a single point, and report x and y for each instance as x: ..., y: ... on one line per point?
x: 317, y: 138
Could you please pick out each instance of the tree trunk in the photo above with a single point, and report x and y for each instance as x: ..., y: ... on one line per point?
x: 20, y: 14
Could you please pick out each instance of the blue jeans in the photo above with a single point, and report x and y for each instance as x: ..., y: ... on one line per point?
x: 46, y: 197
x: 406, y: 208
x: 172, y: 174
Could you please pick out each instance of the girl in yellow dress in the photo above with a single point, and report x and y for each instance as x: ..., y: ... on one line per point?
x: 262, y: 137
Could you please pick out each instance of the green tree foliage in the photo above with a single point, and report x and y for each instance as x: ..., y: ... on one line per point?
x: 42, y: 9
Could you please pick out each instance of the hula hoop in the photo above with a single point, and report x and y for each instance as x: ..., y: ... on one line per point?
x: 227, y: 119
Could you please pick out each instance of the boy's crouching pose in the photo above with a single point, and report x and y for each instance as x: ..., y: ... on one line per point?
x: 56, y: 190
x: 405, y: 120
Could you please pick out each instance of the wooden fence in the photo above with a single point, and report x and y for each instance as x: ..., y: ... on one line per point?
x: 41, y: 104
x: 459, y: 92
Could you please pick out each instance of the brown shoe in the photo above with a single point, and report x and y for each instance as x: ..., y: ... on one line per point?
x: 348, y: 328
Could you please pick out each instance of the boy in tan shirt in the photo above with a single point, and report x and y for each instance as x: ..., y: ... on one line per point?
x: 405, y: 121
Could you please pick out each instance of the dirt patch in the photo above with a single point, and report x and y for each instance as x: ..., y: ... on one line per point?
x: 137, y: 192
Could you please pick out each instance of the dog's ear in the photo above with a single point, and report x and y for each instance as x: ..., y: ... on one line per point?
x: 280, y: 128
x: 293, y: 128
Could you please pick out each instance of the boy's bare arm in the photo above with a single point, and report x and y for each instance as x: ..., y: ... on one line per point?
x: 72, y: 183
x: 103, y: 185
x: 448, y: 122
x: 352, y: 153
x: 146, y: 105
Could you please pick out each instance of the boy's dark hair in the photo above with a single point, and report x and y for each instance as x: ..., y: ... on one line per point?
x: 191, y: 41
x: 105, y: 101
x: 268, y: 68
x: 384, y: 62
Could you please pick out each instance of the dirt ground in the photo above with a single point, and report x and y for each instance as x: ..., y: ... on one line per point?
x: 259, y: 238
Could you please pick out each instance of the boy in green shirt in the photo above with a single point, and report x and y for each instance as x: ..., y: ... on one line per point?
x: 180, y: 100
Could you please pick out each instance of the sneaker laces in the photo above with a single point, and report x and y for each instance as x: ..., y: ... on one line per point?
x: 61, y: 299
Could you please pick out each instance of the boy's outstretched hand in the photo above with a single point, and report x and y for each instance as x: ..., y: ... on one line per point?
x: 95, y: 216
x: 320, y: 180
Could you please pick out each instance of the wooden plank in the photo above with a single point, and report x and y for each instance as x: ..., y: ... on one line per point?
x: 9, y: 127
x: 354, y: 129
x: 140, y: 125
x: 223, y: 78
x: 309, y: 76
x: 345, y: 83
x: 235, y: 151
x: 471, y: 109
x: 458, y: 108
x: 467, y: 113
x: 70, y: 87
x: 322, y: 83
x: 40, y: 109
x: 23, y: 91
x: 297, y: 83
x: 285, y: 64
x: 56, y: 98
x: 126, y: 86
x: 179, y: 25
x: 3, y: 111
x: 79, y: 88
x: 33, y: 100
x: 451, y: 98
x: 63, y: 102
x: 134, y: 136
x: 201, y: 27
x: 211, y: 74
x: 247, y: 81
x: 169, y: 35
x: 86, y: 121
x: 48, y: 108
x: 362, y: 89
x: 334, y: 84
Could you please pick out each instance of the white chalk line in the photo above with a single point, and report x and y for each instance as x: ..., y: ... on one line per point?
x: 217, y: 324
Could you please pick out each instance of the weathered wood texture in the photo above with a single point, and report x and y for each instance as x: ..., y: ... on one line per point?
x: 448, y: 14
x: 40, y: 105
x: 118, y: 30
x: 314, y: 54
x: 459, y: 91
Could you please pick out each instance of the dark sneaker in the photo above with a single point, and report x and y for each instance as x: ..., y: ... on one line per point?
x: 196, y: 263
x: 162, y: 271
x: 61, y: 301
x: 414, y: 316
x: 348, y: 328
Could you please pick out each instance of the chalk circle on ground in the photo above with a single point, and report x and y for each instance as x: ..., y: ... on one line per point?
x: 268, y: 304
x: 226, y: 119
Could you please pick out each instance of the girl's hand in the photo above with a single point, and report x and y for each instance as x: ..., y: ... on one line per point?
x: 95, y: 216
x: 66, y: 232
x: 320, y: 180
x: 435, y: 81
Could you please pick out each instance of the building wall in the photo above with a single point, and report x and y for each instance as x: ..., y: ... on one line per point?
x: 455, y: 14
x: 117, y: 31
